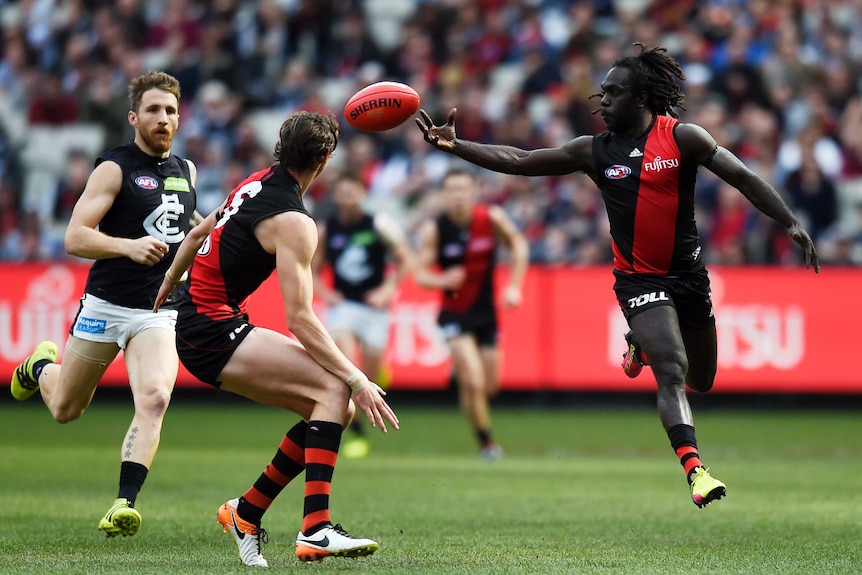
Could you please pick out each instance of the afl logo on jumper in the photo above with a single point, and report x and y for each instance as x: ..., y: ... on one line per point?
x: 617, y: 172
x: 147, y: 182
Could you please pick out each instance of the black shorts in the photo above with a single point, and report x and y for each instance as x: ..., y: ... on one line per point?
x: 206, y: 345
x: 482, y: 326
x: 690, y: 295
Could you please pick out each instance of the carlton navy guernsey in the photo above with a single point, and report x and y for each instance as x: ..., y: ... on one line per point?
x: 156, y: 199
x: 357, y: 255
x: 648, y: 191
x: 231, y: 264
x: 473, y: 247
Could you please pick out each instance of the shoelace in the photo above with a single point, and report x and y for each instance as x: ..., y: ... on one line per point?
x: 340, y: 530
x: 262, y: 537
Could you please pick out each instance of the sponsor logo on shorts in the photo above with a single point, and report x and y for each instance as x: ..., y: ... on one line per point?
x: 237, y: 331
x: 450, y: 330
x: 91, y: 325
x: 646, y: 298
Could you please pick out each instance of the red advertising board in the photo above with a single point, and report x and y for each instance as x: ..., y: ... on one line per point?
x: 779, y: 329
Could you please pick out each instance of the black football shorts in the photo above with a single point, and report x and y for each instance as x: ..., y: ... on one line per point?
x: 689, y: 294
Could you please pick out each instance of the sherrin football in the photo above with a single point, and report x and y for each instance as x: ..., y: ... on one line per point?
x: 381, y: 106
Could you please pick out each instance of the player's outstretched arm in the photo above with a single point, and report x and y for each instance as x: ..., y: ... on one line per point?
x: 573, y: 157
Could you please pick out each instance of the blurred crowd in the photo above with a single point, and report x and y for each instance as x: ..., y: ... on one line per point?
x: 777, y: 82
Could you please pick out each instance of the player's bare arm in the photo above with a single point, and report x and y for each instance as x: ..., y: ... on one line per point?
x: 762, y: 195
x: 84, y: 240
x: 176, y: 274
x: 575, y: 156
x: 426, y: 274
x: 292, y: 237
x: 515, y: 241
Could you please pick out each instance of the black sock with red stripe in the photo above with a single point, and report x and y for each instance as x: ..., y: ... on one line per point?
x: 321, y: 451
x: 289, y: 461
x: 685, y: 445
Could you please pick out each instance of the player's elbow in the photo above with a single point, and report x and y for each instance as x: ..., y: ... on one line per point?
x: 72, y: 243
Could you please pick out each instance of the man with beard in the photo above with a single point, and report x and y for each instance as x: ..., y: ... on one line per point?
x: 136, y: 208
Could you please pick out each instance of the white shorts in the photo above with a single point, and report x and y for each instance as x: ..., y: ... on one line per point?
x: 104, y: 322
x: 370, y: 326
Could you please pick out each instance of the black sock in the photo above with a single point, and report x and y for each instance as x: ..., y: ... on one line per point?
x: 484, y: 436
x: 132, y: 477
x: 39, y: 366
x: 684, y: 443
x: 321, y: 451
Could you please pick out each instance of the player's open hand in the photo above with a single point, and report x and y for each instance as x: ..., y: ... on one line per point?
x: 369, y: 398
x: 809, y: 253
x: 511, y: 297
x: 165, y: 290
x: 441, y: 137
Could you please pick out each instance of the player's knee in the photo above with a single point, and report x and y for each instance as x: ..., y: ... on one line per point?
x: 350, y: 413
x: 701, y: 382
x: 66, y: 412
x: 672, y: 369
x: 154, y: 403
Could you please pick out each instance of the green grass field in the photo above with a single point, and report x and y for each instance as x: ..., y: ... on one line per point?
x: 580, y: 491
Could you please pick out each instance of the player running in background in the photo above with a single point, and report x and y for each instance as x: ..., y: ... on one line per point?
x: 645, y: 166
x: 134, y: 211
x: 462, y: 244
x: 263, y: 226
x: 356, y: 245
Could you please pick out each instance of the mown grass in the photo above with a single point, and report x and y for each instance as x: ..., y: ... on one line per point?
x: 579, y: 491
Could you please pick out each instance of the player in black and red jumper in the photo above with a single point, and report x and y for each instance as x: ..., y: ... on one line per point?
x: 462, y: 244
x: 263, y: 227
x: 645, y: 166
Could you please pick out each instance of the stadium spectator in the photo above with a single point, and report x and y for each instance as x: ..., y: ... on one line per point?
x: 50, y: 104
x: 135, y: 209
x: 796, y: 61
x: 457, y: 255
x: 263, y: 226
x: 645, y: 165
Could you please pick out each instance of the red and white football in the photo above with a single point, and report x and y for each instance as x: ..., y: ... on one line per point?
x: 381, y: 106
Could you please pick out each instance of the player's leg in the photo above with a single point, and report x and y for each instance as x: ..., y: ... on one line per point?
x: 241, y: 517
x: 697, y: 324
x: 472, y: 392
x: 491, y: 359
x: 270, y: 368
x: 151, y: 362
x: 657, y: 330
x: 67, y: 389
x: 701, y: 347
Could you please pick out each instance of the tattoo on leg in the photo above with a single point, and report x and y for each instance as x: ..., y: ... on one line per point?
x: 130, y: 441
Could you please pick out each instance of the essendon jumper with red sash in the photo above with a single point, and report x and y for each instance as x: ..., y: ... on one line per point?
x: 648, y: 190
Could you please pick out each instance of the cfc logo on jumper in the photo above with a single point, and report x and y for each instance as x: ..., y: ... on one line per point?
x: 163, y: 222
x: 617, y: 172
x: 646, y: 298
x: 658, y: 164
